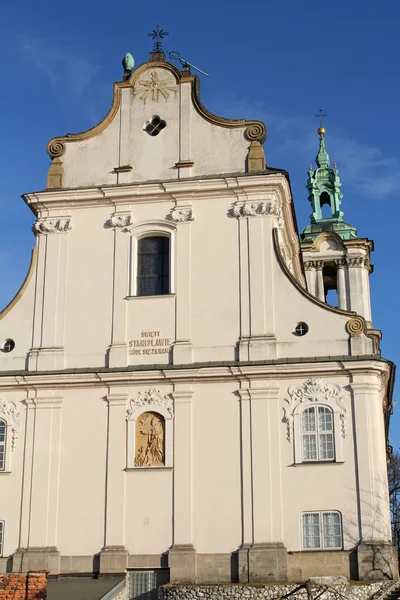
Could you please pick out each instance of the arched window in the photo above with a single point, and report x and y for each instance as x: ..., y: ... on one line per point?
x: 317, y: 433
x: 153, y: 277
x: 3, y: 440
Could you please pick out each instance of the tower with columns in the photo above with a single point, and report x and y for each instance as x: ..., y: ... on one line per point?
x: 335, y: 258
x: 175, y: 393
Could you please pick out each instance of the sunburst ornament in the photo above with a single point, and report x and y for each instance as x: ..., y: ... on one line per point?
x: 154, y: 87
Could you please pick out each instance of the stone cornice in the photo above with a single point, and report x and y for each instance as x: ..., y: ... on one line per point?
x: 233, y: 187
x: 267, y: 370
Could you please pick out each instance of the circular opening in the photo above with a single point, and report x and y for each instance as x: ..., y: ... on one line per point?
x: 301, y: 328
x: 9, y: 345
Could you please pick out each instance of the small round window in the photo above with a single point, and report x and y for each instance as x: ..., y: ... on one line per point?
x: 301, y: 328
x: 8, y: 345
x: 155, y: 126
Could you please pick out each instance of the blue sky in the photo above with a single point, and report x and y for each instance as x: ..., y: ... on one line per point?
x: 275, y: 61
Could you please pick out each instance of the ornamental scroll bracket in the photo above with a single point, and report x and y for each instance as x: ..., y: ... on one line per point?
x: 313, y: 391
x: 149, y: 399
x: 259, y: 209
x: 182, y: 215
x: 45, y: 226
x: 119, y: 221
x: 13, y: 417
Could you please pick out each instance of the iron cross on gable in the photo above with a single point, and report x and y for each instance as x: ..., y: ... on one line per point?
x: 320, y: 115
x: 157, y: 35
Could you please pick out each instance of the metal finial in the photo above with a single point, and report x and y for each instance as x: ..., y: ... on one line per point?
x: 320, y: 115
x: 157, y: 35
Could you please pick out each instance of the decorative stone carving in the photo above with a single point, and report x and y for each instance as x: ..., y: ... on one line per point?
x: 259, y: 209
x: 355, y: 326
x: 120, y: 221
x: 355, y: 261
x: 149, y: 440
x: 340, y: 263
x: 309, y: 265
x: 150, y: 398
x: 13, y: 416
x: 55, y: 148
x: 182, y: 215
x: 154, y: 87
x: 319, y: 264
x: 44, y: 226
x: 313, y: 390
x: 256, y: 132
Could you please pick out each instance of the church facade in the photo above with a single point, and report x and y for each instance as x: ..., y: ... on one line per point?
x: 175, y: 391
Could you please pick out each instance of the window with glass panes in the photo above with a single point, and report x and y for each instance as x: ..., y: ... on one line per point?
x: 3, y: 434
x: 317, y: 433
x: 321, y: 530
x: 153, y: 266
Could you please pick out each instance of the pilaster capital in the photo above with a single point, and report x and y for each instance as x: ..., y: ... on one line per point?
x: 340, y: 263
x: 182, y: 396
x: 309, y: 265
x: 268, y: 393
x: 46, y: 402
x: 43, y: 226
x: 117, y: 400
x: 357, y: 261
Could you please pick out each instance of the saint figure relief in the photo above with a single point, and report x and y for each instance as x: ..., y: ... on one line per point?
x: 149, y: 440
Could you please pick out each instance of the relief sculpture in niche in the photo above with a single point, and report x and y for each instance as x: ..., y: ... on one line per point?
x: 150, y: 434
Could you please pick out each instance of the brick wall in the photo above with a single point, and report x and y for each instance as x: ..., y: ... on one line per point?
x: 24, y: 586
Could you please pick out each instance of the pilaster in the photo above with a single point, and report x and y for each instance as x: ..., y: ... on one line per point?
x: 319, y: 284
x: 359, y: 291
x: 114, y: 557
x: 182, y: 555
x: 182, y: 348
x: 118, y: 350
x: 309, y: 268
x: 47, y: 350
x: 42, y: 510
x: 371, y: 458
x: 341, y: 283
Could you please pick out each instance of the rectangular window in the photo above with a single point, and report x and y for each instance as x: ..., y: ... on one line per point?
x: 322, y: 530
x: 317, y: 433
x: 1, y: 537
x: 153, y: 266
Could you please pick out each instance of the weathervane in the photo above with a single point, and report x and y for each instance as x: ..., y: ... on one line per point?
x: 157, y: 34
x: 176, y: 56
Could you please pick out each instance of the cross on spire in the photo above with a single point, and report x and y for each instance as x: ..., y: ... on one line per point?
x: 320, y: 115
x: 157, y: 34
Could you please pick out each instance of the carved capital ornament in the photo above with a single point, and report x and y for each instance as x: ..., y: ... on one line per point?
x: 45, y: 226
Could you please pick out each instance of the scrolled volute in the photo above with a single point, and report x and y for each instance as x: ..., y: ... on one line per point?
x: 355, y: 326
x: 55, y: 148
x: 256, y: 132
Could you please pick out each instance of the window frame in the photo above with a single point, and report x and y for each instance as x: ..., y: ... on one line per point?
x: 322, y: 546
x: 2, y: 529
x: 151, y: 229
x: 303, y: 433
x: 3, y: 444
x: 298, y: 436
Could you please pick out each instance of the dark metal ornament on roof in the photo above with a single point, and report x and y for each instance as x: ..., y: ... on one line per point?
x: 157, y: 35
x: 174, y: 55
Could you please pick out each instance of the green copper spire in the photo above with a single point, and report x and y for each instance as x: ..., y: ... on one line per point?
x: 322, y: 159
x: 324, y: 188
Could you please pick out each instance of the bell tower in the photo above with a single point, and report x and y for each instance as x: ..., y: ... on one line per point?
x: 336, y: 261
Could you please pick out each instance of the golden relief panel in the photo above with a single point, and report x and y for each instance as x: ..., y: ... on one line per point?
x: 150, y: 440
